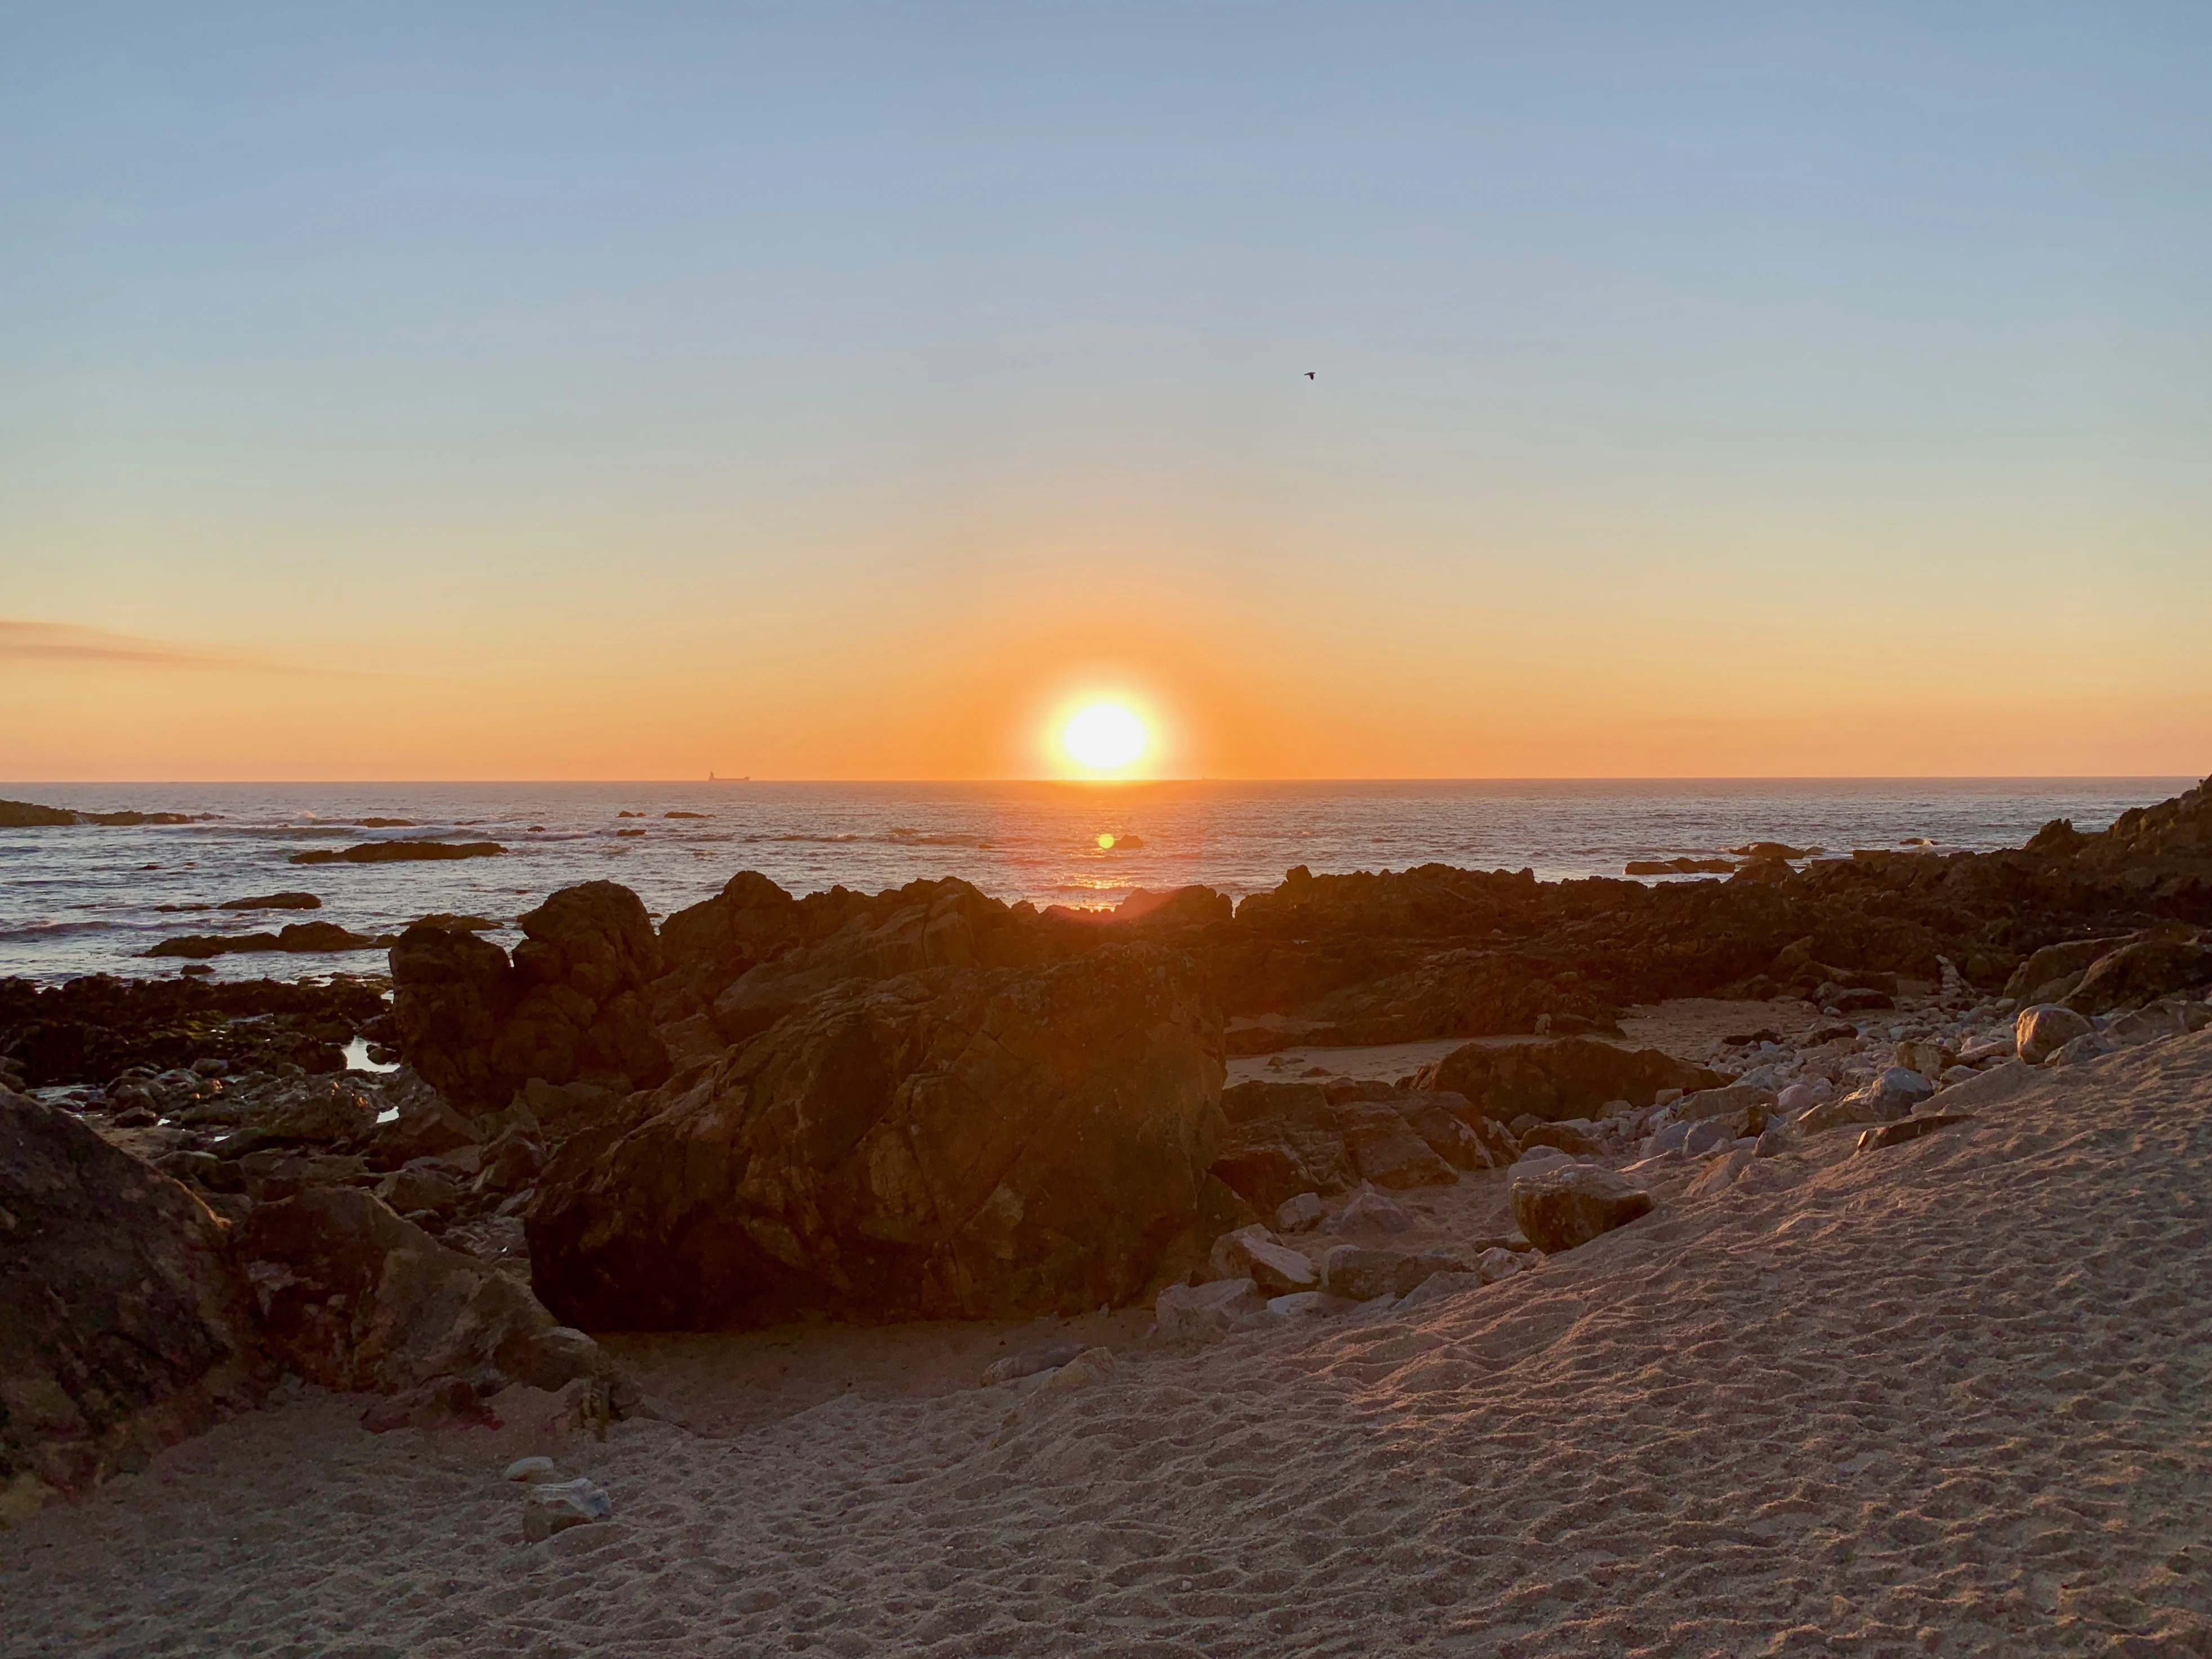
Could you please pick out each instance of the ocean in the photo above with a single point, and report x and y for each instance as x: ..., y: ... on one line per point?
x: 91, y: 899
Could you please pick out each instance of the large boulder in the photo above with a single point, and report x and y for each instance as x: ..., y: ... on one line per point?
x: 2042, y: 1031
x: 921, y: 926
x: 569, y: 1007
x: 124, y: 1327
x: 1561, y: 1206
x: 958, y: 1143
x: 1573, y: 1077
x: 2142, y: 972
x: 1281, y: 1139
x: 352, y: 1296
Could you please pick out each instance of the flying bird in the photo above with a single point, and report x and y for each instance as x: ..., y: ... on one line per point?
x: 1309, y: 375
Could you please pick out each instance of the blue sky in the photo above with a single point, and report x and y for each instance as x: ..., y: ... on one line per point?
x: 892, y: 340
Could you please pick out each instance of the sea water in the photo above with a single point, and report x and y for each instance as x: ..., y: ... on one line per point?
x: 91, y: 899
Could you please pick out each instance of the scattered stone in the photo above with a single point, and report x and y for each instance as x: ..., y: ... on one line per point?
x: 555, y: 1506
x: 1198, y: 1312
x: 1498, y: 1262
x: 443, y: 1402
x: 1370, y: 1211
x: 1029, y: 1363
x: 1908, y: 1128
x: 1309, y: 1305
x: 529, y: 1468
x: 1437, y: 1287
x: 1560, y: 1138
x: 1708, y: 1136
x: 1301, y: 1213
x: 2042, y: 1031
x: 2090, y: 1045
x: 1565, y: 1206
x: 1360, y: 1273
x: 1385, y: 1149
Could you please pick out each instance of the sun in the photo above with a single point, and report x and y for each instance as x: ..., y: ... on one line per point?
x: 1105, y: 737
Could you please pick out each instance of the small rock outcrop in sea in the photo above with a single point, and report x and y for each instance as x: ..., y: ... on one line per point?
x: 300, y: 936
x: 954, y: 1143
x: 123, y: 1326
x: 27, y: 815
x: 399, y: 852
x: 274, y: 901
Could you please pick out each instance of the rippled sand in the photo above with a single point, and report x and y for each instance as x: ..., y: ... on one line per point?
x: 1947, y: 1398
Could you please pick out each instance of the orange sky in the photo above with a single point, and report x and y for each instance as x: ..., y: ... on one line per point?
x: 1441, y: 392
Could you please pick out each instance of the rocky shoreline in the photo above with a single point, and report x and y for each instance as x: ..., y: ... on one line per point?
x: 928, y: 1105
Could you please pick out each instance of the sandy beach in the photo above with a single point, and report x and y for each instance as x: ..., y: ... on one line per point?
x: 1946, y: 1397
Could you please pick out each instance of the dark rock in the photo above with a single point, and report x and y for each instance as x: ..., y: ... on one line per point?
x: 443, y: 1402
x: 1908, y: 1128
x: 1360, y: 1273
x: 354, y: 1298
x: 2040, y: 1031
x: 25, y: 815
x: 399, y: 852
x: 274, y: 901
x: 300, y: 936
x: 2067, y: 960
x: 2139, y: 973
x: 1562, y: 1207
x: 958, y: 1143
x: 570, y: 1007
x: 123, y: 1327
x: 1385, y: 1149
x: 1574, y: 1077
x: 89, y: 1029
x: 1560, y: 1138
x: 1281, y: 1139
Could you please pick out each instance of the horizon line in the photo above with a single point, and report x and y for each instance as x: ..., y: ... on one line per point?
x: 1119, y: 782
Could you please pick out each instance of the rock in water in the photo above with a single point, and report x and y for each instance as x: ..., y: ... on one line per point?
x: 2043, y: 1030
x: 1563, y: 1205
x: 399, y: 852
x: 557, y: 1506
x: 958, y: 1143
x: 124, y: 1327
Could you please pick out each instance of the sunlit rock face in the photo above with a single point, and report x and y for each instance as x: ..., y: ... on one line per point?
x: 958, y: 1142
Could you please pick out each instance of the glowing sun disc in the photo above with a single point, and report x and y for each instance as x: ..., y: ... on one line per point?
x: 1105, y: 737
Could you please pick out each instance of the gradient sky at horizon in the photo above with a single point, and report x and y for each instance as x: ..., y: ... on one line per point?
x: 838, y: 391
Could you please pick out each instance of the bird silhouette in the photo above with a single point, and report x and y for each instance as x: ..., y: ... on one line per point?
x: 1309, y: 375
